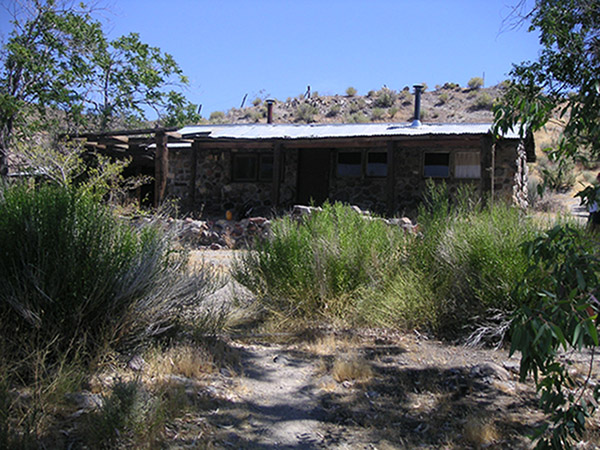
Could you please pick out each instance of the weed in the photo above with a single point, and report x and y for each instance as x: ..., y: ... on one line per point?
x: 351, y: 369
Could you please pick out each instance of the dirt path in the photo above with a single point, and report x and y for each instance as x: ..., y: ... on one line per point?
x: 279, y: 406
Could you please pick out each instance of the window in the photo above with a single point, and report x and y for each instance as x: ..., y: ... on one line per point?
x: 437, y: 165
x: 253, y: 167
x: 376, y: 164
x: 245, y: 167
x: 266, y: 168
x: 467, y: 165
x: 349, y: 164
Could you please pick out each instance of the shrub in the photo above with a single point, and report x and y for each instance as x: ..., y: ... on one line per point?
x: 217, y: 117
x: 451, y: 86
x: 475, y: 83
x: 443, y: 97
x: 358, y: 117
x: 306, y: 112
x: 351, y: 91
x: 74, y: 279
x: 333, y: 111
x: 257, y: 101
x: 317, y: 267
x: 483, y: 101
x: 377, y: 113
x: 392, y: 111
x: 385, y: 98
x: 557, y: 175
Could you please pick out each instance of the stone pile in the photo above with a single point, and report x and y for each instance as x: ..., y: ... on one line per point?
x: 241, y: 234
x: 219, y: 234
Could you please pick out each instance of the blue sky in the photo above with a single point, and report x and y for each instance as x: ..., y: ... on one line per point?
x: 278, y: 47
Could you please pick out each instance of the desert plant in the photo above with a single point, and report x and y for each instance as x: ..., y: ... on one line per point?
x: 475, y: 83
x: 357, y: 117
x: 316, y: 267
x: 217, y: 117
x: 334, y: 110
x: 443, y: 98
x: 257, y: 101
x: 75, y: 277
x: 385, y: 98
x: 483, y: 101
x: 557, y: 175
x: 351, y: 91
x: 377, y: 113
x: 306, y: 112
x: 392, y: 111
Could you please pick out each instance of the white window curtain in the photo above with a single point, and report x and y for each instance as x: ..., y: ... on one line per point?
x: 467, y: 165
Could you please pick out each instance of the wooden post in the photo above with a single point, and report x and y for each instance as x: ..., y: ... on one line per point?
x: 487, y: 167
x: 193, y: 174
x: 391, y: 179
x: 276, y: 175
x: 161, y: 167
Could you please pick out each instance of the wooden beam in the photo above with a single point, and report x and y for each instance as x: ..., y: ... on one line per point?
x: 391, y: 179
x: 276, y: 175
x: 193, y: 175
x: 487, y: 167
x: 161, y: 168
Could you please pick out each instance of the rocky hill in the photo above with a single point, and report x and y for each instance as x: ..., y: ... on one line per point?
x: 447, y: 103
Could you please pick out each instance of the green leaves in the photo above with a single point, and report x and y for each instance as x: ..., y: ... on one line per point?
x: 562, y: 314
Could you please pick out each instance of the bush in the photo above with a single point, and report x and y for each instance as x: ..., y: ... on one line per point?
x: 558, y: 175
x: 351, y: 92
x: 443, y: 98
x: 392, y: 111
x: 483, y: 101
x: 377, y: 113
x: 357, y: 117
x: 217, y: 117
x: 306, y: 112
x: 385, y: 98
x: 74, y: 279
x: 333, y: 111
x: 475, y: 83
x: 318, y: 266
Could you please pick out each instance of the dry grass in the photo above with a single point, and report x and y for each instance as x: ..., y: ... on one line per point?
x: 186, y: 360
x: 480, y: 432
x: 352, y: 368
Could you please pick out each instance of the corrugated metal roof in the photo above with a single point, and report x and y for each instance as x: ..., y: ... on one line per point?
x: 323, y: 131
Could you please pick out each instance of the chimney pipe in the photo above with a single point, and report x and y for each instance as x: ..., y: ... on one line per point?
x: 417, y: 118
x: 270, y: 110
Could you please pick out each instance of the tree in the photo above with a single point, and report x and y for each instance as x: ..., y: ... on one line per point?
x: 564, y: 81
x: 560, y: 306
x: 59, y: 71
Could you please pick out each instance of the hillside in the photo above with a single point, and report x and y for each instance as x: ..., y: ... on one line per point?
x: 447, y: 103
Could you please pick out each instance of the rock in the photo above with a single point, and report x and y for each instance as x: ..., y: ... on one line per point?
x: 512, y: 366
x: 258, y: 221
x: 215, y: 246
x: 488, y: 371
x: 84, y: 400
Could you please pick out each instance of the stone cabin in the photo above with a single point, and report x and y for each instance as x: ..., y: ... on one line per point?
x: 382, y: 167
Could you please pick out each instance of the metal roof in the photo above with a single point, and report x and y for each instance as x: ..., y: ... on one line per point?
x: 323, y: 131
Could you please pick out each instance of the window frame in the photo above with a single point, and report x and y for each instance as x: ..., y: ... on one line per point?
x: 437, y: 152
x: 378, y: 152
x: 456, y: 165
x: 360, y: 163
x: 259, y: 163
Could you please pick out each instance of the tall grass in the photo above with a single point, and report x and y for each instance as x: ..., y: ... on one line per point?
x: 317, y: 266
x: 457, y: 273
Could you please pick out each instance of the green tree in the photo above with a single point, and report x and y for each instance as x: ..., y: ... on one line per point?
x: 59, y: 71
x: 565, y: 79
x: 560, y: 306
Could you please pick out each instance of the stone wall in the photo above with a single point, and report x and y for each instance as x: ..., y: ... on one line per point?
x: 215, y: 192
